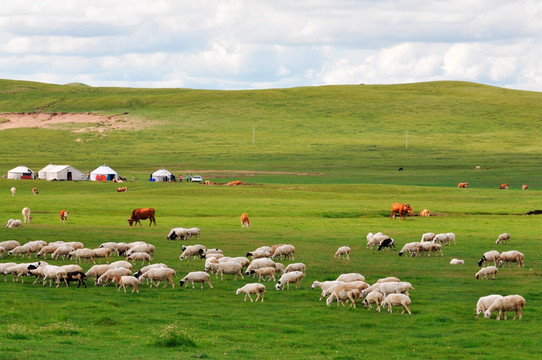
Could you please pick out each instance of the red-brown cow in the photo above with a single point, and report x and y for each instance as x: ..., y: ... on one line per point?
x: 244, y: 220
x: 63, y: 216
x: 402, y: 210
x: 122, y: 189
x: 504, y: 187
x: 524, y: 187
x: 463, y: 185
x: 142, y: 214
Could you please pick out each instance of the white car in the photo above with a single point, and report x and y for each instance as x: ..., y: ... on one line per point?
x: 196, y: 178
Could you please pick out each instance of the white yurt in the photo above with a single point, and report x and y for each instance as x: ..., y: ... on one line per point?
x: 103, y: 173
x: 60, y: 172
x: 160, y: 175
x: 20, y: 172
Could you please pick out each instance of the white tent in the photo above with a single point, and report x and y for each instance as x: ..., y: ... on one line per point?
x: 61, y: 172
x: 20, y: 172
x: 103, y: 173
x: 42, y: 174
x: 161, y: 175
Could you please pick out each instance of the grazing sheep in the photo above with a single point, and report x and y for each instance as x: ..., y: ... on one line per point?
x: 260, y: 263
x: 327, y: 287
x: 75, y: 244
x: 26, y: 215
x: 243, y: 261
x: 140, y: 247
x: 455, y: 261
x: 386, y: 244
x: 291, y: 277
x: 284, y: 252
x: 395, y: 288
x: 507, y: 303
x: 62, y: 251
x: 484, y: 303
x: 196, y: 276
x: 342, y: 251
x: 103, y: 252
x: 122, y: 248
x: 411, y: 248
x: 144, y: 269
x: 427, y: 237
x: 111, y: 273
x: 450, y: 237
x: 15, y: 224
x: 191, y: 251
x: 36, y: 245
x: 78, y: 276
x: 344, y: 292
x: 82, y: 254
x: 253, y: 288
x: 158, y: 275
x: 510, y: 257
x: 484, y: 272
x: 429, y: 247
x: 492, y: 255
x: 226, y: 268
x: 295, y: 267
x: 13, y: 191
x: 4, y: 266
x: 503, y: 238
x: 374, y: 297
x: 96, y: 271
x: 388, y: 279
x: 263, y: 272
x: 49, y: 249
x: 259, y: 253
x: 441, y: 239
x: 54, y: 272
x: 20, y: 250
x: 349, y: 277
x: 121, y: 263
x: 193, y: 232
x: 177, y: 233
x: 376, y: 239
x: 142, y: 256
x: 127, y: 280
x: 397, y: 300
x: 9, y: 244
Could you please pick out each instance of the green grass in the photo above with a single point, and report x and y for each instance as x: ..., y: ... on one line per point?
x: 351, y: 140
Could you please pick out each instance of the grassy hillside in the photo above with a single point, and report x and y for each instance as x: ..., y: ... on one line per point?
x: 352, y: 134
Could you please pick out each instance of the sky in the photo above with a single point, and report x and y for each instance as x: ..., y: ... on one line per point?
x: 262, y: 44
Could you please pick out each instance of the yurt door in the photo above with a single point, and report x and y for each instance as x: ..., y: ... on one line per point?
x: 69, y: 175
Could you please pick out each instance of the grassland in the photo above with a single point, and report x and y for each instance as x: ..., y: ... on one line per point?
x: 354, y: 135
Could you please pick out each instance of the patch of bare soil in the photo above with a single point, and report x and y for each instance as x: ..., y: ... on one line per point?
x: 233, y: 173
x: 100, y: 123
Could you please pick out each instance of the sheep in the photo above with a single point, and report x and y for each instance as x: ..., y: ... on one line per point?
x: 411, y: 248
x: 295, y: 267
x: 388, y: 279
x: 260, y: 263
x: 111, y: 273
x: 489, y: 256
x: 226, y: 268
x: 193, y: 232
x: 344, y: 293
x: 177, y: 232
x: 216, y: 256
x: 253, y: 288
x: 121, y: 248
x: 386, y: 244
x: 134, y: 257
x: 374, y: 297
x: 144, y: 247
x: 15, y: 224
x: 75, y: 244
x: 503, y: 238
x: 327, y: 287
x: 342, y: 251
x: 54, y: 272
x: 263, y: 272
x: 376, y: 239
x: 26, y: 215
x: 291, y: 277
x: 49, y: 249
x: 160, y: 274
x: 111, y: 245
x: 266, y: 248
x: 259, y: 253
x: 96, y: 271
x: 82, y: 254
x: 9, y: 244
x: 370, y: 237
x: 9, y: 222
x: 284, y: 252
x: 441, y: 239
x: 2, y: 251
x: 4, y: 266
x: 427, y: 237
x: 127, y: 280
x: 78, y: 276
x: 36, y: 245
x: 510, y: 257
x: 196, y: 276
x: 210, y: 252
x: 275, y: 247
x: 429, y: 247
x: 506, y: 303
x: 397, y: 300
x: 349, y: 277
x: 450, y: 237
x: 19, y: 270
x: 121, y: 263
x: 71, y: 268
x: 191, y: 251
x: 484, y: 272
x: 243, y: 261
x: 20, y: 250
x: 395, y: 288
x: 63, y: 251
x: 144, y: 269
x: 455, y: 261
x: 13, y: 191
x: 485, y: 302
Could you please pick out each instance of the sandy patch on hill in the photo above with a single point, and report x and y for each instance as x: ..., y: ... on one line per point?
x: 80, y: 121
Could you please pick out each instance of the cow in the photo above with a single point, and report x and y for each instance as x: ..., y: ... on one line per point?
x: 235, y: 183
x: 524, y: 187
x: 13, y: 191
x: 401, y: 209
x: 26, y: 215
x: 63, y: 216
x: 142, y: 214
x: 503, y: 187
x: 244, y: 220
x: 478, y: 167
x: 35, y: 191
x: 463, y: 185
x: 122, y: 189
x: 425, y: 213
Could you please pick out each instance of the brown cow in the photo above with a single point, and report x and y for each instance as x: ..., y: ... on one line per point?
x: 425, y: 213
x: 63, y: 216
x: 142, y: 214
x: 463, y: 185
x: 524, y: 187
x: 235, y: 183
x: 402, y: 210
x: 122, y: 189
x: 504, y: 187
x: 244, y: 220
x: 35, y: 191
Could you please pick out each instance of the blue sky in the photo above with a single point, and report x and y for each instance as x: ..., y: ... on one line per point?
x: 251, y: 44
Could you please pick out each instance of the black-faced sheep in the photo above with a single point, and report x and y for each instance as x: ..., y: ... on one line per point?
x: 489, y: 256
x: 194, y: 277
x: 291, y: 277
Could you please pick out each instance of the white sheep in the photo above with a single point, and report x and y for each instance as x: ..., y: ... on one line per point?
x: 455, y: 261
x: 263, y: 272
x: 260, y: 263
x: 49, y: 249
x: 121, y: 263
x: 343, y: 293
x: 194, y: 277
x: 75, y: 244
x: 284, y: 252
x: 20, y: 250
x: 427, y: 237
x: 178, y: 232
x: 15, y: 224
x: 13, y: 191
x: 510, y: 257
x: 36, y: 245
x: 241, y: 260
x: 102, y: 252
x: 18, y: 271
x: 127, y: 280
x: 349, y: 277
x: 343, y: 251
x: 410, y: 248
x: 4, y: 266
x: 503, y: 238
x: 376, y: 239
x: 259, y: 253
x: 158, y: 275
x: 397, y: 300
x: 9, y: 244
x: 374, y: 297
x: 144, y: 247
x: 96, y: 271
x: 395, y: 288
x: 226, y: 268
x: 295, y: 267
x: 450, y: 237
x: 26, y: 215
x: 139, y: 256
x: 193, y: 232
x: 484, y: 272
x: 62, y: 251
x: 507, y: 303
x: 253, y: 288
x: 388, y: 279
x: 485, y: 302
x: 144, y: 269
x: 112, y: 273
x: 84, y: 253
x: 327, y: 287
x: 54, y: 272
x: 291, y: 277
x: 191, y: 251
x: 441, y: 239
x: 491, y: 255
